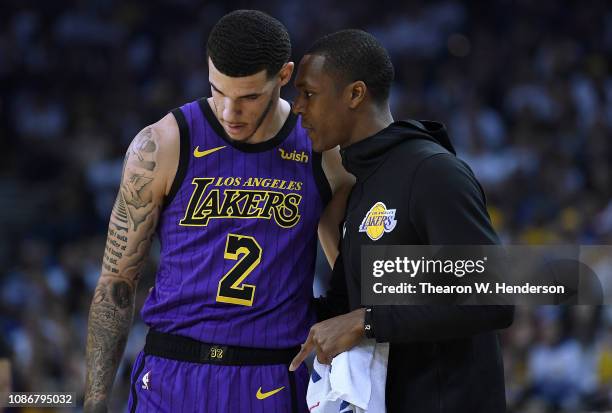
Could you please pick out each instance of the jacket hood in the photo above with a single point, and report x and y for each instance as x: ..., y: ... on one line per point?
x: 361, y: 158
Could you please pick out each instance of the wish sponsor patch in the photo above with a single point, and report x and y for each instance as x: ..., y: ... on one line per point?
x: 377, y: 221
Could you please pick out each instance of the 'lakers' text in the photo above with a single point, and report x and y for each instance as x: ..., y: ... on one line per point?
x: 228, y: 197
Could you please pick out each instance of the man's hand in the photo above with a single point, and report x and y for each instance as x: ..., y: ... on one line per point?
x: 332, y: 337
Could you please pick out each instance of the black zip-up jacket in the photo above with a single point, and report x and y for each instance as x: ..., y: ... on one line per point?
x: 442, y: 359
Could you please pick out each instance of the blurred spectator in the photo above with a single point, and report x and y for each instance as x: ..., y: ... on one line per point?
x: 5, y: 372
x: 554, y: 365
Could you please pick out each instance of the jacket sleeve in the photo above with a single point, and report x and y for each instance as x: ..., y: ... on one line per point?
x: 335, y: 302
x: 447, y: 207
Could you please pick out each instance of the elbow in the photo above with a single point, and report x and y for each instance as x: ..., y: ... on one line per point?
x: 341, y: 190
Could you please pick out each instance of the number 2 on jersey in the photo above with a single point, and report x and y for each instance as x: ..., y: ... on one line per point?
x: 231, y: 290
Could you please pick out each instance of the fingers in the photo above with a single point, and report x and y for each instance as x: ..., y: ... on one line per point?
x: 307, y: 348
x: 322, y: 357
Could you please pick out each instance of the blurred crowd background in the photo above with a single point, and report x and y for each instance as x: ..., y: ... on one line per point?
x: 524, y: 87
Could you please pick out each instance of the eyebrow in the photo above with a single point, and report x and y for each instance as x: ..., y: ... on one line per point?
x: 239, y: 97
x: 301, y: 83
x: 305, y: 83
x: 304, y: 86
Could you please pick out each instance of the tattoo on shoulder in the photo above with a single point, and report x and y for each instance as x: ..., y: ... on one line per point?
x: 138, y: 176
x: 135, y: 213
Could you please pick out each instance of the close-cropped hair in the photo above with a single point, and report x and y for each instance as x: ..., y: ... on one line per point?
x: 245, y: 42
x: 352, y: 55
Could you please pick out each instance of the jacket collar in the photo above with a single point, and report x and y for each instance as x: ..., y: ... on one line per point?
x: 362, y: 158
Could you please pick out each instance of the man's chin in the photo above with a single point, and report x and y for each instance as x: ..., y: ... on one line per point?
x: 242, y: 136
x: 317, y: 146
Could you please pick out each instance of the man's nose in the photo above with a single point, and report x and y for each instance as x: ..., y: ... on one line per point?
x: 230, y: 109
x: 298, y: 107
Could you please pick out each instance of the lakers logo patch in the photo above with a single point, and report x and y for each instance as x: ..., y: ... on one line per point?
x: 377, y: 221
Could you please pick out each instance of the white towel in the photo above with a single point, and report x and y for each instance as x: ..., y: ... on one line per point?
x: 355, y: 381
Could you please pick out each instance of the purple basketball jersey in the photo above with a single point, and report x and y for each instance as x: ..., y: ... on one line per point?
x: 238, y: 237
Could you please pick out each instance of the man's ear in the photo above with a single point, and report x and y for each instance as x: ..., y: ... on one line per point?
x: 356, y: 92
x: 285, y: 73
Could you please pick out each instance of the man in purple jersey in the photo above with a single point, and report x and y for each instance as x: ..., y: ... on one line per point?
x: 235, y: 193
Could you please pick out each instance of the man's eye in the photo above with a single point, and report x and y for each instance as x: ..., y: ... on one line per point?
x: 308, y: 94
x: 253, y: 97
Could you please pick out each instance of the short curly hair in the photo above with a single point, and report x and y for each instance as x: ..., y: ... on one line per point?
x: 352, y: 55
x: 245, y: 42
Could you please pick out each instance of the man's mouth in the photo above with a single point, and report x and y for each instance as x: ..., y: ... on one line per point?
x: 235, y: 127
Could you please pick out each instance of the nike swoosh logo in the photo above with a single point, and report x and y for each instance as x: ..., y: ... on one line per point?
x: 262, y: 396
x: 198, y: 154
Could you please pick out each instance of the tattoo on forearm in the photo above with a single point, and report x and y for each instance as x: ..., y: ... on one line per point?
x: 131, y: 229
x: 121, y: 294
x: 109, y: 324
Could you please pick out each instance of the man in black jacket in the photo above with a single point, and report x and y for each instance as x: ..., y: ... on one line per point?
x: 441, y: 358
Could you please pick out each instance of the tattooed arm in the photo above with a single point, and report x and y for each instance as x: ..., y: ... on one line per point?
x: 148, y: 171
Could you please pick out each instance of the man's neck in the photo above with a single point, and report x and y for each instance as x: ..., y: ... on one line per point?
x: 368, y: 123
x: 272, y: 123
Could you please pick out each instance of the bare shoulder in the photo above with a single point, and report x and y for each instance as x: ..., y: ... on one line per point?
x: 156, y: 149
x: 167, y: 129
